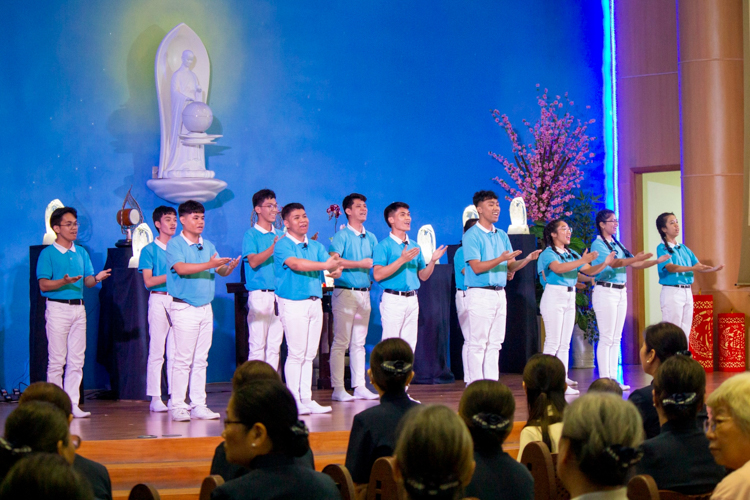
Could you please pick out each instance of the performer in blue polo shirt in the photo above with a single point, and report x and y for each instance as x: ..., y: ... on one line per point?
x: 610, y: 296
x: 191, y: 263
x: 676, y: 274
x: 299, y: 263
x: 266, y: 332
x: 461, y: 311
x: 351, y: 299
x: 62, y: 271
x: 153, y: 266
x: 398, y: 265
x: 558, y: 269
x: 489, y: 257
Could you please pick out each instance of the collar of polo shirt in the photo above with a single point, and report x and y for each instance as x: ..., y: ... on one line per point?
x: 160, y: 244
x: 355, y: 231
x: 295, y: 240
x: 397, y: 240
x: 200, y: 239
x: 62, y: 249
x: 492, y: 230
x: 263, y: 230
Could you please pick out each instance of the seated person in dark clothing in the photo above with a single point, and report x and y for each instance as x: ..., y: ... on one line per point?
x: 262, y: 433
x: 96, y: 474
x: 487, y: 407
x: 373, y: 432
x: 678, y: 458
x: 247, y: 372
x: 45, y: 475
x: 660, y: 341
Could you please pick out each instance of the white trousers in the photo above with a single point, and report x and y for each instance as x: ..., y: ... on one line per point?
x: 266, y: 332
x: 610, y: 306
x: 160, y: 336
x: 193, y: 329
x: 351, y: 315
x: 677, y: 307
x: 399, y: 316
x: 66, y: 346
x: 463, y: 316
x: 303, y: 324
x: 558, y: 309
x: 487, y: 311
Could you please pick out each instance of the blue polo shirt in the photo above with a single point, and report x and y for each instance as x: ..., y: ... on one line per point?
x: 549, y: 256
x: 609, y: 274
x: 351, y: 245
x: 55, y: 262
x: 405, y: 279
x: 154, y: 257
x: 298, y: 285
x: 483, y: 245
x: 458, y: 266
x: 196, y: 289
x: 257, y: 240
x: 682, y: 256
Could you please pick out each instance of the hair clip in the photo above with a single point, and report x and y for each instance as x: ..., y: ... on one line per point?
x: 299, y: 429
x: 685, y: 353
x: 491, y: 421
x: 680, y: 399
x: 397, y: 367
x: 23, y: 450
x: 433, y: 488
x: 624, y: 456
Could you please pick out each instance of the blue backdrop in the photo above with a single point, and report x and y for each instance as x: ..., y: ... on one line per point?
x: 314, y: 99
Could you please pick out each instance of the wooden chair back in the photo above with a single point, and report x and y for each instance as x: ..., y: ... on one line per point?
x: 541, y: 463
x: 342, y: 478
x: 382, y: 485
x: 642, y: 487
x: 144, y: 492
x: 208, y: 485
x: 673, y: 495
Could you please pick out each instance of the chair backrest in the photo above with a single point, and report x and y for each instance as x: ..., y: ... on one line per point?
x: 642, y: 487
x: 382, y: 485
x: 562, y: 491
x: 673, y: 495
x: 342, y: 478
x: 537, y: 458
x: 144, y: 492
x: 209, y: 484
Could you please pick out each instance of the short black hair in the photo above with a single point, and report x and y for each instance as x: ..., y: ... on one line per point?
x: 469, y: 224
x: 391, y: 209
x: 394, y: 350
x: 191, y: 207
x: 160, y: 212
x: 261, y: 196
x: 289, y: 207
x: 350, y: 199
x: 605, y: 384
x: 481, y: 196
x: 56, y: 217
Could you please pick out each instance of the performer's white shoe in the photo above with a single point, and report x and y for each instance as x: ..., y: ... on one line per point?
x: 340, y: 394
x: 571, y: 392
x: 571, y: 383
x: 78, y: 413
x: 157, y: 405
x: 180, y: 414
x: 315, y: 408
x: 203, y: 413
x: 624, y: 387
x: 363, y: 392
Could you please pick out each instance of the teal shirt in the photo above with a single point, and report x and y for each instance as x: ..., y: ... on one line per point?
x: 458, y: 266
x: 154, y: 257
x: 405, y: 279
x: 609, y: 274
x: 298, y: 285
x: 351, y: 245
x: 547, y: 257
x: 682, y: 256
x: 482, y: 245
x: 256, y: 241
x: 196, y: 289
x: 54, y: 265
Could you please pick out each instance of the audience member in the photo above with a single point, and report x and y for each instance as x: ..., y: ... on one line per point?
x: 729, y: 435
x: 95, y: 473
x: 45, y: 476
x: 487, y: 407
x: 262, y: 433
x: 434, y: 454
x: 606, y: 384
x: 678, y: 458
x: 660, y: 341
x: 373, y: 432
x: 599, y: 446
x: 544, y: 384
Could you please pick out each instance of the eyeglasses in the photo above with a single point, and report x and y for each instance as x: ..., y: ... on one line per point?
x: 615, y: 221
x: 70, y: 224
x: 275, y: 207
x: 227, y: 422
x: 75, y: 441
x: 712, y: 424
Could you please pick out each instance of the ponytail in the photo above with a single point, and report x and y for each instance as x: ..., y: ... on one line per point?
x: 550, y: 228
x: 601, y: 216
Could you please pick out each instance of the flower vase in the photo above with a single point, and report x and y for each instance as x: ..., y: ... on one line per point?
x: 583, y: 352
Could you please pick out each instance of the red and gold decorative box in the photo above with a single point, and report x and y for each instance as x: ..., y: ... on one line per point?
x: 732, y: 342
x: 702, y: 331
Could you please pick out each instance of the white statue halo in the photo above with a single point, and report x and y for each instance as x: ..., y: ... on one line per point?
x: 518, y: 217
x: 470, y: 212
x: 426, y: 241
x: 142, y: 236
x: 50, y: 236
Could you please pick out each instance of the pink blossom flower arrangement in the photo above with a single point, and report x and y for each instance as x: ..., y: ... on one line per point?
x: 334, y: 212
x: 548, y: 169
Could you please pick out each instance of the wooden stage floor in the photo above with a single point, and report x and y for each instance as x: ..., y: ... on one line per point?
x: 114, y: 420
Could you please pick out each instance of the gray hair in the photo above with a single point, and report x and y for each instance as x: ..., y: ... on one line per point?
x: 604, y: 433
x: 734, y: 394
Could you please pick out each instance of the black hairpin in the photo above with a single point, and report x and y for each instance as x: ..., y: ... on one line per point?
x: 433, y: 488
x: 624, y: 456
x: 299, y: 429
x: 397, y: 367
x: 490, y: 421
x: 685, y: 353
x: 680, y: 399
x: 23, y: 450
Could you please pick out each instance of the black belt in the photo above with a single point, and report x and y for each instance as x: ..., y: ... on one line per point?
x: 159, y: 292
x: 680, y: 286
x: 72, y: 302
x: 354, y: 289
x: 175, y: 299
x: 607, y: 284
x: 263, y: 290
x: 410, y: 293
x: 495, y: 288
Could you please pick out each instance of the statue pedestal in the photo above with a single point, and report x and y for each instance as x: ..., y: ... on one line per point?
x: 179, y: 190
